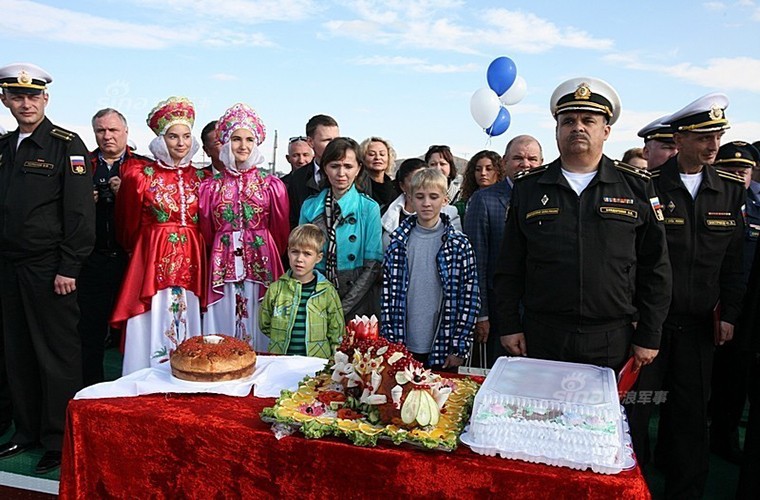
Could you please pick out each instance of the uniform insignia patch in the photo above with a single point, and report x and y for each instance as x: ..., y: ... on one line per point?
x: 541, y: 211
x: 671, y: 206
x: 38, y: 164
x: 720, y: 222
x: 77, y: 165
x: 675, y: 221
x: 627, y: 212
x: 622, y: 201
x: 657, y: 208
x: 544, y: 200
x: 719, y: 214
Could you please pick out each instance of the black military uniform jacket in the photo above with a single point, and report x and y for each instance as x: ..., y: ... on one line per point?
x: 751, y: 229
x: 586, y: 260
x: 46, y: 201
x: 705, y: 241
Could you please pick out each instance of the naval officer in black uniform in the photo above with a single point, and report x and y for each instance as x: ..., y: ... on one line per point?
x: 732, y: 360
x: 47, y: 229
x: 584, y: 248
x: 658, y: 143
x: 702, y: 206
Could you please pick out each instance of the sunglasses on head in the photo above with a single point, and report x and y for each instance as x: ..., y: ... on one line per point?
x: 296, y: 139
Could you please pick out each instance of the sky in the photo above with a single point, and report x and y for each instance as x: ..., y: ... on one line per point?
x: 404, y: 70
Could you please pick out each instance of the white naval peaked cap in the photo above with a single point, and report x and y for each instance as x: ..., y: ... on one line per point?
x: 24, y: 78
x: 706, y: 114
x: 586, y: 94
x: 657, y: 131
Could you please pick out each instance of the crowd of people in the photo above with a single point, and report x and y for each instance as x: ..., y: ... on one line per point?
x: 583, y: 259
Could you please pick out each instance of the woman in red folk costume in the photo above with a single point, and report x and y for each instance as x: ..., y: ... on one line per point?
x: 244, y: 217
x: 157, y: 223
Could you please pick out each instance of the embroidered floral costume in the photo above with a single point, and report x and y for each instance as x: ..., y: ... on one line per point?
x: 157, y: 224
x: 244, y: 218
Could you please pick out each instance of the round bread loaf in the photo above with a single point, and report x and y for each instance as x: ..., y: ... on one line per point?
x: 212, y: 358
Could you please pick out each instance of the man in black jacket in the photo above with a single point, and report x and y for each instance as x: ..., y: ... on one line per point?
x: 702, y: 206
x: 309, y: 180
x: 47, y: 230
x: 749, y: 479
x: 102, y: 272
x: 584, y: 247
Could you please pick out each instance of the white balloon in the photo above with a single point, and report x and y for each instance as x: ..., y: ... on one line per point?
x: 484, y: 106
x: 515, y: 93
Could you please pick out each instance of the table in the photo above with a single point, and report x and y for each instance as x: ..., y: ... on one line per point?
x: 213, y: 446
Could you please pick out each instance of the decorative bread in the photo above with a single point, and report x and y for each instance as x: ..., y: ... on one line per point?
x: 212, y: 358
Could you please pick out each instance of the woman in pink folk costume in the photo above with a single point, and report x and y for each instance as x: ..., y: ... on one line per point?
x: 157, y: 223
x: 244, y: 219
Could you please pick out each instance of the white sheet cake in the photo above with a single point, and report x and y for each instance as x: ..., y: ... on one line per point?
x: 550, y: 412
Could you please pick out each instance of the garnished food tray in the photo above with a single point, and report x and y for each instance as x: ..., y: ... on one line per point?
x: 321, y: 408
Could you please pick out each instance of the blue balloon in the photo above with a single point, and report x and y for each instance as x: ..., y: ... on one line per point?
x: 501, y: 74
x: 500, y: 124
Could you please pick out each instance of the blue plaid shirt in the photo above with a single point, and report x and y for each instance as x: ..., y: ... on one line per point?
x: 459, y: 278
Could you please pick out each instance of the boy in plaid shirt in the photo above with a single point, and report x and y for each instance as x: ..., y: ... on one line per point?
x: 430, y: 298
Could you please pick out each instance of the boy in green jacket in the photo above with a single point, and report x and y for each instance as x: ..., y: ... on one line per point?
x: 301, y: 312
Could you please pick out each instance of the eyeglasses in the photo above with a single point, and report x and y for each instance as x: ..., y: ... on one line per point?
x: 296, y: 139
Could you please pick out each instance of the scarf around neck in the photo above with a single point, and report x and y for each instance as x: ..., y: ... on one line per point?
x: 332, y: 217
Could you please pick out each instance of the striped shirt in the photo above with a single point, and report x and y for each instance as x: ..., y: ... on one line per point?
x: 297, y: 345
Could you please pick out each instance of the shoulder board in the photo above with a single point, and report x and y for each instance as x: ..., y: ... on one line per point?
x: 630, y: 169
x: 654, y: 173
x: 527, y: 173
x: 725, y: 174
x: 65, y: 135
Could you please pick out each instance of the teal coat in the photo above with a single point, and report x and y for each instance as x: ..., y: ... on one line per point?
x: 359, y: 249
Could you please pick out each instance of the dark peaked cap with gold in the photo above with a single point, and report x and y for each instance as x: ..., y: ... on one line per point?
x: 24, y: 78
x: 706, y: 114
x: 586, y: 94
x: 657, y: 131
x: 737, y: 154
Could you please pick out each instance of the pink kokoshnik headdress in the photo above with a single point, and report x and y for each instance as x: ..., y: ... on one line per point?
x: 240, y: 116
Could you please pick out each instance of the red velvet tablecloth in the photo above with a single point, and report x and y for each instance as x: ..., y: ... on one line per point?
x: 210, y: 446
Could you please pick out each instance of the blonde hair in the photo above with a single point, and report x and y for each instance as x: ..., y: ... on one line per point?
x: 307, y: 236
x: 429, y: 178
x: 391, y: 152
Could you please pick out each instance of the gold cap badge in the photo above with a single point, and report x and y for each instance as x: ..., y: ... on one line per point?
x: 716, y: 113
x: 583, y: 91
x: 24, y: 78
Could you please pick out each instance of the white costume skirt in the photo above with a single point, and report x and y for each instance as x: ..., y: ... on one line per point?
x: 174, y: 315
x: 237, y: 314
